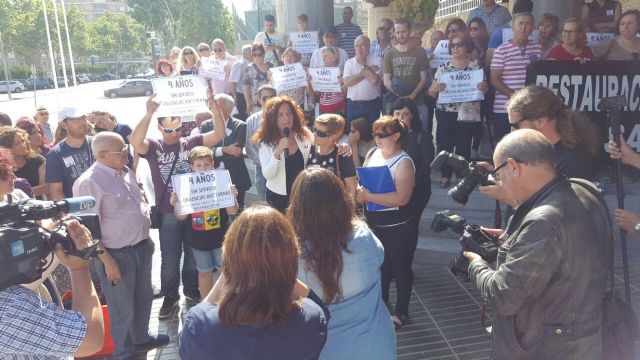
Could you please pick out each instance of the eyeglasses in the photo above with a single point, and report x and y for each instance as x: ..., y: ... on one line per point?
x: 172, y: 130
x: 121, y: 152
x: 454, y: 45
x: 217, y: 50
x: 257, y: 54
x: 203, y: 49
x: 188, y: 53
x: 382, y: 135
x: 568, y: 32
x: 494, y: 173
x: 322, y: 134
x: 265, y: 98
x: 517, y: 124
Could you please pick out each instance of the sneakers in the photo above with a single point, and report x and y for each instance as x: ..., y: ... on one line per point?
x: 155, y: 341
x: 168, y: 305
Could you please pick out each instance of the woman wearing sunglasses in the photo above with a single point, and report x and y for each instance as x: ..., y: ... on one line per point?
x: 255, y: 76
x: 187, y: 63
x: 456, y: 120
x: 391, y: 224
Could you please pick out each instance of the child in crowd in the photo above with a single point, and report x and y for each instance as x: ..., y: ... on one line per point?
x: 207, y: 227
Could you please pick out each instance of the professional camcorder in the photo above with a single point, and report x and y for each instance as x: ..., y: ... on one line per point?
x: 472, y: 175
x: 25, y: 246
x: 472, y: 238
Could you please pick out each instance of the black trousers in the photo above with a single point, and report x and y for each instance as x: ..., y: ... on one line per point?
x: 398, y: 254
x: 241, y: 105
x: 277, y: 201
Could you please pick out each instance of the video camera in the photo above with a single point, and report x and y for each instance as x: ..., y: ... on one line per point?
x: 25, y: 246
x: 472, y: 238
x: 473, y: 175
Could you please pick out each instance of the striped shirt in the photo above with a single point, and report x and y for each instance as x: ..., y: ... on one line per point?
x: 513, y: 61
x: 332, y: 102
x: 498, y: 16
x: 377, y: 50
x: 347, y: 34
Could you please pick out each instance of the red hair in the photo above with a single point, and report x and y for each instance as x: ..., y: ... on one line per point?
x: 159, y: 66
x: 6, y: 164
x: 268, y: 132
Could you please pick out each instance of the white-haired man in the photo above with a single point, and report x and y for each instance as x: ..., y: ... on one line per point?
x: 235, y: 79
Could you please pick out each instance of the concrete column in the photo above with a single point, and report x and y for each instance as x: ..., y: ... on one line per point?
x: 320, y: 13
x: 563, y: 9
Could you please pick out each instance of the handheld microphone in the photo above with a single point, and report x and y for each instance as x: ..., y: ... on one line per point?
x: 285, y: 132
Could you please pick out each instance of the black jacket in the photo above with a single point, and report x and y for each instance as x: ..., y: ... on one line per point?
x: 419, y: 146
x: 235, y: 134
x: 550, y: 276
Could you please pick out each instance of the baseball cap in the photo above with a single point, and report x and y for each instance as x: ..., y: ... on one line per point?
x: 70, y: 112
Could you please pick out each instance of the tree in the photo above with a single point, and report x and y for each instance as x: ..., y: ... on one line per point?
x: 421, y: 13
x: 115, y: 33
x: 185, y: 22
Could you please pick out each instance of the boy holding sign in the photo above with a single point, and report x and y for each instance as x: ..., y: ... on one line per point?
x: 207, y: 227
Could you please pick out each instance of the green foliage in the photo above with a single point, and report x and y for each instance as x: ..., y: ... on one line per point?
x: 185, y: 22
x: 115, y: 33
x: 421, y: 13
x: 24, y: 72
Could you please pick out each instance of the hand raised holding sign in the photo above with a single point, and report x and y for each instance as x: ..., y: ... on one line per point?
x: 152, y: 106
x: 483, y: 86
x: 435, y: 88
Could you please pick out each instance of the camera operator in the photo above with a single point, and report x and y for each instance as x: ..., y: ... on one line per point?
x: 627, y: 220
x: 35, y: 329
x: 550, y: 273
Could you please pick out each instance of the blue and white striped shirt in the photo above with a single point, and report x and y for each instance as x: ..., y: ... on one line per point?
x: 347, y: 34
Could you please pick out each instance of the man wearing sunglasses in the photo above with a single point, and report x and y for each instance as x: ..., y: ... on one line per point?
x: 161, y: 156
x: 548, y: 282
x: 220, y: 53
x: 265, y: 92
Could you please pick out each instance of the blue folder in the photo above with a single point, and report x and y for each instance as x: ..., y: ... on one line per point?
x: 376, y: 179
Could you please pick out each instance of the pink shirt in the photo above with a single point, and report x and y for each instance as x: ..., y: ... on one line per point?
x: 124, y: 216
x: 513, y: 61
x: 224, y: 86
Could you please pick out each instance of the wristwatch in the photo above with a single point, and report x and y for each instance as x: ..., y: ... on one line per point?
x: 637, y: 227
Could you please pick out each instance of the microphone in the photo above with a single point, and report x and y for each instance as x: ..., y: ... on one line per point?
x: 75, y: 204
x: 285, y: 133
x: 38, y: 210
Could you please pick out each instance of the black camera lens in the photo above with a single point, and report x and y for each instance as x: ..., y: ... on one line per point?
x: 460, y: 193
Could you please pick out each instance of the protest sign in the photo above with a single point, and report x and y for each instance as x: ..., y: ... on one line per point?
x: 599, y: 39
x: 304, y: 42
x: 180, y: 95
x: 325, y: 79
x: 213, y: 68
x: 201, y: 191
x: 289, y: 77
x: 462, y: 86
x: 440, y: 54
x: 507, y: 34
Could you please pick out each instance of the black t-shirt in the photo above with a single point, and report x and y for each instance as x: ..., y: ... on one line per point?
x: 573, y: 163
x: 29, y: 171
x: 332, y: 161
x: 292, y: 166
x: 208, y: 229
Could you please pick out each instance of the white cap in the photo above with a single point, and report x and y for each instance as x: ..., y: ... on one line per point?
x: 70, y: 112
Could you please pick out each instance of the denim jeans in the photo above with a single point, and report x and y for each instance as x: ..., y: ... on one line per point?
x: 130, y: 299
x: 501, y: 126
x: 369, y: 110
x: 173, y: 240
x: 261, y: 184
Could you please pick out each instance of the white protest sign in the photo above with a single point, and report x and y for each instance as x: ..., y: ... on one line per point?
x: 599, y: 39
x: 180, y: 95
x: 325, y: 79
x: 201, y: 191
x: 507, y: 34
x: 304, y: 42
x: 440, y: 54
x: 213, y: 68
x: 462, y: 86
x: 288, y: 77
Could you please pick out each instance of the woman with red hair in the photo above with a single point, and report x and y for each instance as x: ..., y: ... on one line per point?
x: 164, y: 68
x: 36, y: 136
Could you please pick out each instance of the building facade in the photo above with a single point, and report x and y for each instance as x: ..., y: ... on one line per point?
x: 94, y: 9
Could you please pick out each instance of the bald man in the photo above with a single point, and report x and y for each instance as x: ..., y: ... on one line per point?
x: 547, y: 285
x: 125, y: 266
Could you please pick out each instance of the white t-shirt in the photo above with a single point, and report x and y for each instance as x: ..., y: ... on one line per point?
x: 363, y: 90
x: 277, y: 39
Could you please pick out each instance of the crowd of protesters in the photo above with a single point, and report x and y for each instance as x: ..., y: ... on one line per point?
x: 315, y: 265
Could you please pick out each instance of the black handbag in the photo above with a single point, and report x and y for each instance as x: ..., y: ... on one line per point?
x: 154, y: 214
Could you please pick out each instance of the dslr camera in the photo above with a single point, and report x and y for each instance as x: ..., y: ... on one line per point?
x: 472, y: 238
x: 472, y: 175
x: 26, y: 249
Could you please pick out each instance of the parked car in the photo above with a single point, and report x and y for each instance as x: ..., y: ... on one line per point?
x: 83, y: 78
x: 61, y: 81
x: 41, y: 83
x: 25, y: 83
x: 133, y: 87
x: 14, y: 86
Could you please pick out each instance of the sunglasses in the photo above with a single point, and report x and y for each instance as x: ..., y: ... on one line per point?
x: 203, y: 49
x: 171, y: 130
x: 454, y: 45
x: 322, y: 134
x: 188, y: 53
x: 257, y: 54
x: 382, y: 135
x: 217, y: 50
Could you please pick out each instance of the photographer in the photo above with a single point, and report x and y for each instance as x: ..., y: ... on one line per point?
x: 550, y: 273
x: 33, y: 328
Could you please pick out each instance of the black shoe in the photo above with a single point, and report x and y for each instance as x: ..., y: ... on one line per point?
x: 192, y: 296
x: 168, y: 305
x: 155, y: 341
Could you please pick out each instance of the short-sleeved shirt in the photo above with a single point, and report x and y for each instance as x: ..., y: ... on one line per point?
x: 601, y: 14
x: 254, y: 78
x: 560, y: 53
x: 405, y: 68
x: 277, y: 39
x: 35, y: 329
x: 513, y: 61
x: 220, y: 86
x: 498, y: 16
x: 333, y: 161
x: 65, y: 164
x: 347, y: 34
x: 237, y: 74
x: 29, y: 171
x: 377, y: 50
x: 496, y: 37
x: 363, y: 90
x: 208, y: 229
x: 160, y: 157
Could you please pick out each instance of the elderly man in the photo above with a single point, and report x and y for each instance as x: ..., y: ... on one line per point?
x: 330, y: 39
x: 228, y: 152
x: 493, y: 15
x: 382, y: 42
x: 42, y: 119
x: 220, y: 53
x: 273, y: 40
x: 125, y: 266
x: 254, y: 121
x: 550, y: 274
x: 362, y: 76
x: 347, y: 32
x: 235, y: 79
x: 166, y: 157
x: 70, y: 157
x: 509, y: 69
